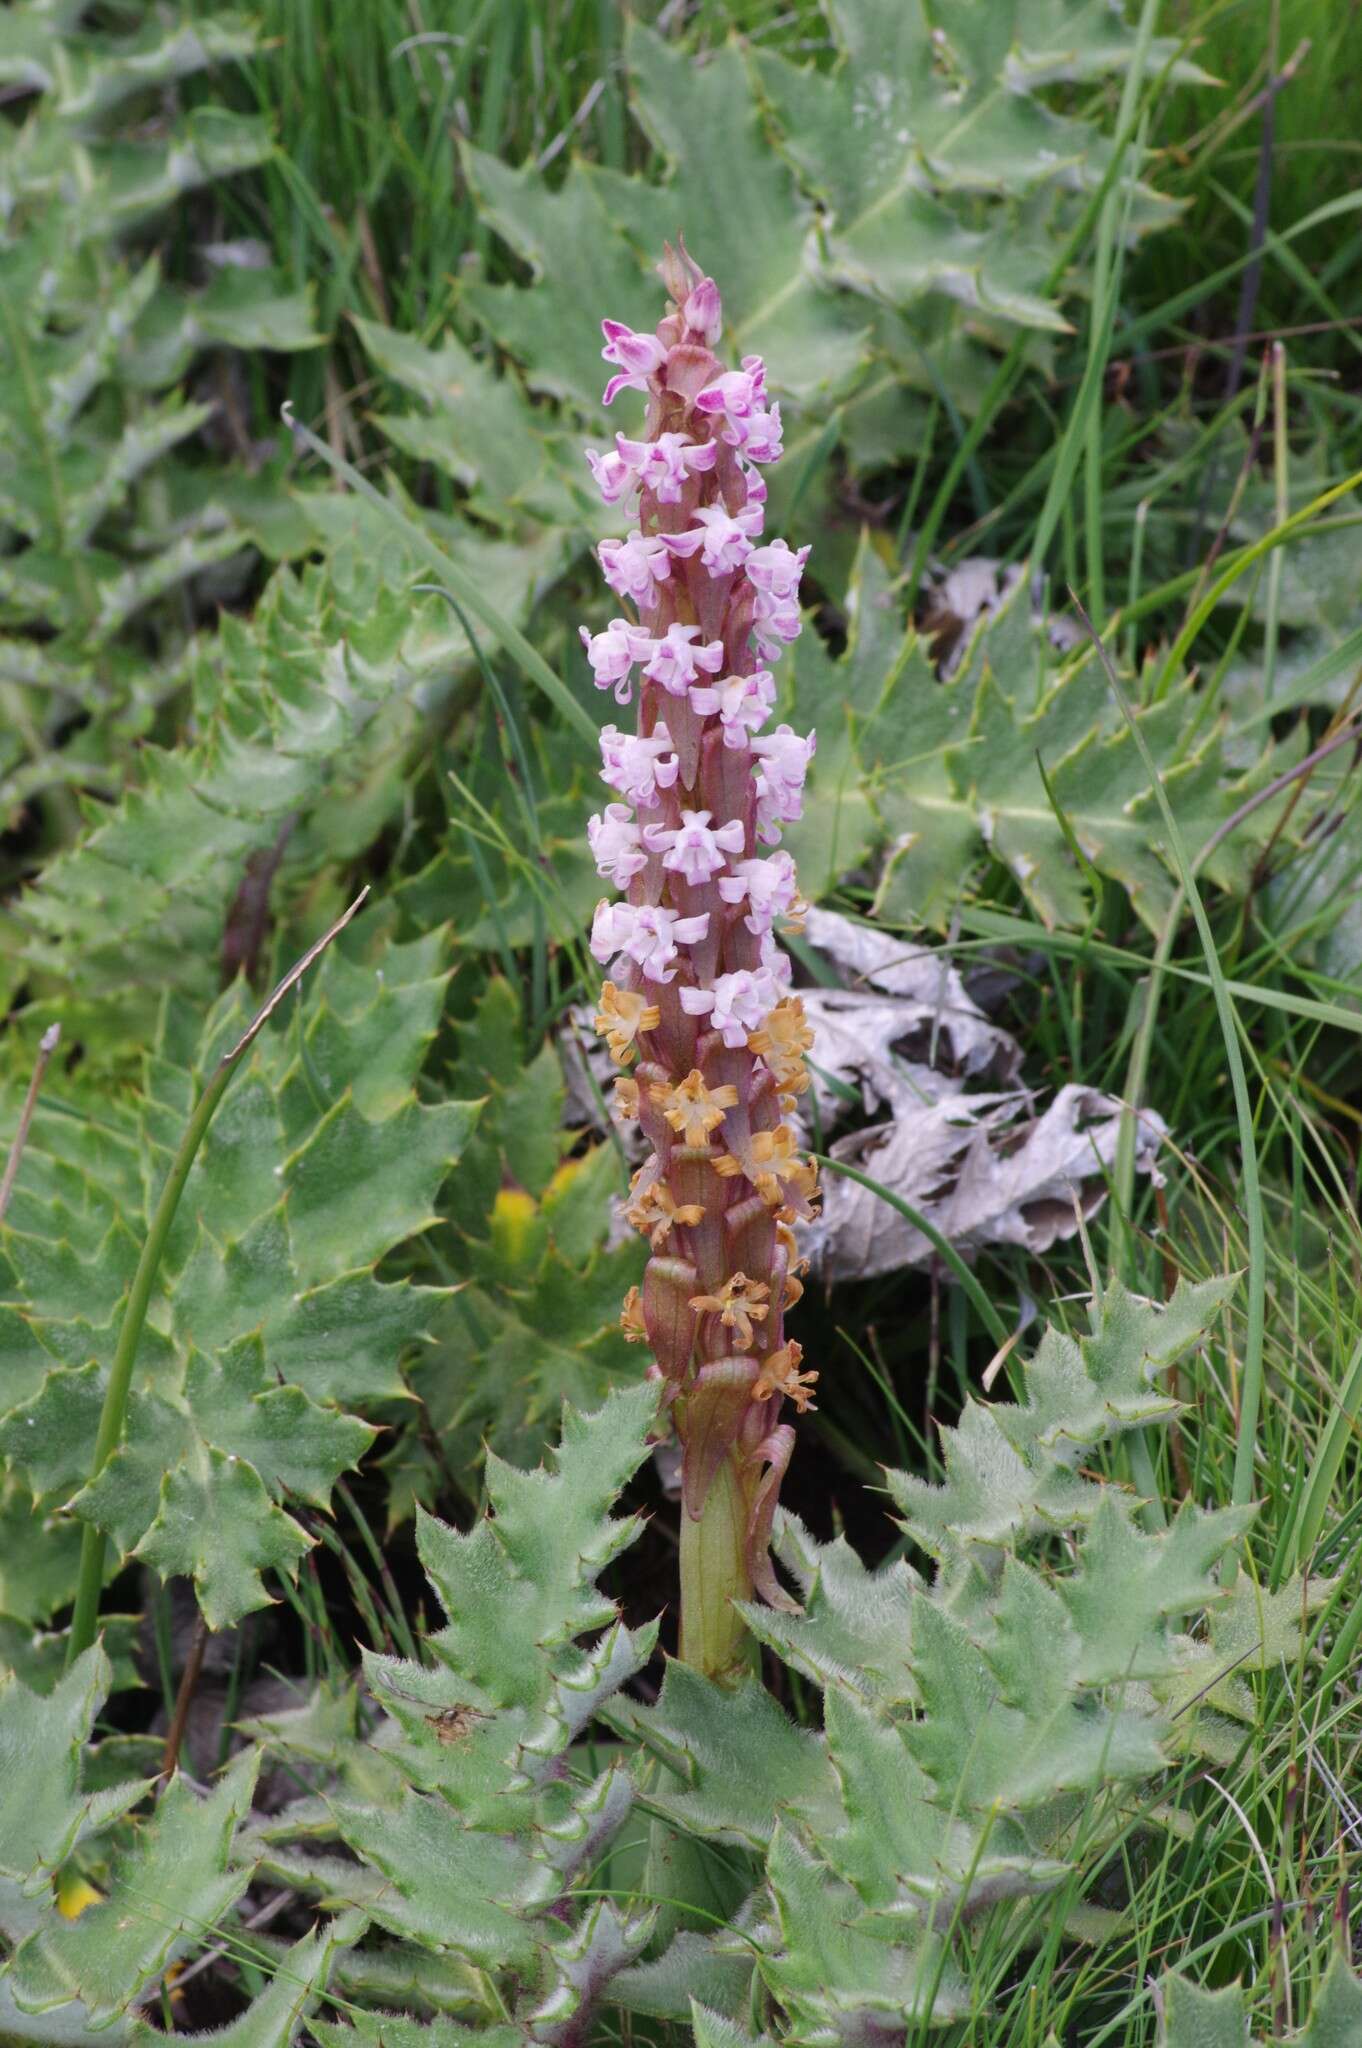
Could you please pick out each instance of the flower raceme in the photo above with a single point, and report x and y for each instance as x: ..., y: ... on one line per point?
x: 697, y: 1006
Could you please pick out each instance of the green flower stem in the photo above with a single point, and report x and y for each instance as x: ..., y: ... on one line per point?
x: 90, y: 1580
x: 714, y: 1574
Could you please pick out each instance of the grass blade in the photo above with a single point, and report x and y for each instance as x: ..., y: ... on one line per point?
x: 1251, y: 1388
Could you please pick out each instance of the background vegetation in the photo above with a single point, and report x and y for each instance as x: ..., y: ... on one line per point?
x: 1064, y: 311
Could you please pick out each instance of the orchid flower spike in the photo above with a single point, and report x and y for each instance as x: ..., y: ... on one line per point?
x: 699, y: 989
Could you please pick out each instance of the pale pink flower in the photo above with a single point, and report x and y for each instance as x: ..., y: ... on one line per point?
x: 774, y: 572
x: 675, y: 663
x: 784, y: 758
x: 735, y: 394
x: 611, y: 928
x: 743, y: 703
x: 638, y: 768
x: 703, y: 312
x: 647, y: 933
x: 665, y: 465
x: 634, y: 567
x: 616, y: 843
x: 776, y: 623
x: 612, y: 655
x: 762, y: 437
x: 723, y: 541
x: 736, y: 1004
x: 614, y: 477
x: 695, y: 848
x: 638, y: 356
x: 775, y: 963
x: 738, y: 397
x: 776, y: 568
x: 769, y: 887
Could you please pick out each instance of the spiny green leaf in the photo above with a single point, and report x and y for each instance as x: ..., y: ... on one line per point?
x: 691, y: 1966
x: 481, y: 430
x: 1193, y: 2018
x: 216, y: 1523
x: 740, y: 1760
x: 272, y: 2020
x: 1010, y: 1466
x: 38, y: 1555
x: 471, y: 1821
x: 1252, y: 1629
x: 41, y: 1736
x: 604, y: 1943
x: 1007, y: 1725
x: 918, y: 116
x: 331, y: 1182
x: 91, y: 351
x: 237, y: 1430
x: 37, y: 1657
x: 714, y: 2030
x: 48, y: 1439
x: 561, y: 354
x: 837, y: 699
x: 448, y: 1886
x: 170, y: 1887
x: 956, y: 765
x: 290, y: 714
x: 538, y: 1325
x: 390, y: 2030
x: 523, y: 1581
x: 834, y: 1975
x: 297, y: 1447
x: 855, y: 1627
x: 267, y: 1311
x: 1336, y: 2016
x: 772, y: 302
x: 97, y: 75
x: 68, y: 2026
x: 1130, y: 1584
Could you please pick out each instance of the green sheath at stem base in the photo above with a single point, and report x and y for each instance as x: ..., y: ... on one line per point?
x: 714, y: 1574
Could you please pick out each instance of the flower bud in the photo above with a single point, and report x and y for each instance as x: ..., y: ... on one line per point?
x: 714, y: 1408
x: 774, y: 1454
x: 679, y: 272
x: 668, y: 1287
x: 703, y: 312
